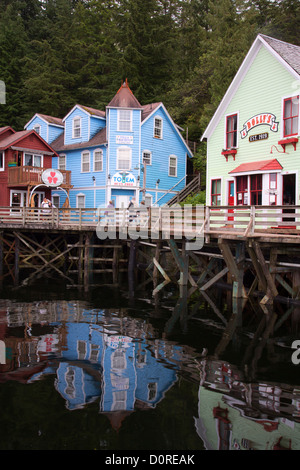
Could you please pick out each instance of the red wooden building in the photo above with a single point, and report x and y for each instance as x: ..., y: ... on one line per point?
x: 24, y: 156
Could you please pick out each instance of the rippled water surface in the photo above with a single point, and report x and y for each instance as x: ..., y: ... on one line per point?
x: 112, y: 370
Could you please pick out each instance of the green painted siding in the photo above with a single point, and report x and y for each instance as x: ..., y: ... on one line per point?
x: 262, y: 90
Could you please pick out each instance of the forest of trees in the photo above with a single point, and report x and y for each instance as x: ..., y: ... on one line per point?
x: 56, y: 53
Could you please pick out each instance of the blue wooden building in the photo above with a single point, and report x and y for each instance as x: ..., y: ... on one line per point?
x: 126, y: 151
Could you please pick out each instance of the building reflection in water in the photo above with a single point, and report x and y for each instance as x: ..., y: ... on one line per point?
x: 109, y: 357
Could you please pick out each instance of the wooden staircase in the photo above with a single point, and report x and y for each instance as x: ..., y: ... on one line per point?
x: 190, y: 188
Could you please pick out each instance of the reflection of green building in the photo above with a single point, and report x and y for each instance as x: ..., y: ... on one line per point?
x: 242, y: 416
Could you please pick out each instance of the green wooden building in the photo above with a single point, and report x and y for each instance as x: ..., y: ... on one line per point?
x: 253, y: 154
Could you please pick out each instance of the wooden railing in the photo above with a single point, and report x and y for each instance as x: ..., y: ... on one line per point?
x: 236, y: 221
x: 31, y: 175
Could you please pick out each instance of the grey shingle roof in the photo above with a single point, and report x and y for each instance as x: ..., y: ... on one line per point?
x: 289, y: 52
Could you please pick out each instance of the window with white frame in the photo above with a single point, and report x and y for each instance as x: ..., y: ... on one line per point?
x: 291, y: 116
x: 98, y: 160
x: 172, y: 165
x: 158, y: 125
x: 37, y: 129
x: 124, y: 158
x: 147, y: 157
x: 62, y: 162
x: 148, y: 200
x: 124, y: 119
x: 55, y: 200
x: 80, y: 201
x: 1, y: 161
x: 33, y: 160
x: 76, y: 127
x: 85, y: 162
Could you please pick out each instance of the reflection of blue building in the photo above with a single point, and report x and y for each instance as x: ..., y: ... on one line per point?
x: 114, y: 368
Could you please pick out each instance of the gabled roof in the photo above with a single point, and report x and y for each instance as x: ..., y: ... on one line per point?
x: 48, y: 119
x: 6, y: 129
x: 287, y: 54
x: 17, y: 137
x: 99, y: 139
x: 90, y: 111
x: 265, y: 165
x: 124, y: 98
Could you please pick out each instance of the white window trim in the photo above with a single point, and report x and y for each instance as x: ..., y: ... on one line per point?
x: 130, y: 158
x: 95, y: 151
x: 77, y: 196
x: 34, y: 155
x: 53, y: 196
x: 58, y: 165
x: 221, y: 189
x: 2, y: 168
x: 290, y: 95
x: 73, y: 127
x: 154, y: 127
x: 173, y: 156
x: 89, y: 154
x: 150, y: 153
x: 119, y: 114
x: 39, y: 127
x: 237, y: 128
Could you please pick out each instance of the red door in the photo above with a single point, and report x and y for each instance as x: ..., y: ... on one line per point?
x: 230, y: 197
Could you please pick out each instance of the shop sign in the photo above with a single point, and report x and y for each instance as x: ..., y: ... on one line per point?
x: 263, y: 119
x: 123, y: 179
x: 257, y: 137
x: 52, y: 177
x: 124, y: 139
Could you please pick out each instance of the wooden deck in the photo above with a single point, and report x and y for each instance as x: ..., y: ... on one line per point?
x: 32, y: 176
x: 280, y: 223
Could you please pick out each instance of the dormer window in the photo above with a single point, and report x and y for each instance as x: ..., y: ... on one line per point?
x: 124, y: 120
x: 231, y: 131
x: 76, y: 127
x: 291, y: 116
x: 158, y: 124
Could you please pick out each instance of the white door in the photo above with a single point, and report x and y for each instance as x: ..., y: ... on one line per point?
x: 122, y: 202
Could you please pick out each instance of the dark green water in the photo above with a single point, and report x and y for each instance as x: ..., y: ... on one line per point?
x: 114, y: 370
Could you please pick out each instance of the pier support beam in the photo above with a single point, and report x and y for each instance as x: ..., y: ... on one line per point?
x: 235, y: 266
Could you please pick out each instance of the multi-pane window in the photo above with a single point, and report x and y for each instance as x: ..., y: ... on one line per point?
x: 124, y: 158
x: 231, y: 131
x: 62, y: 162
x: 216, y: 192
x: 85, y: 162
x: 76, y: 127
x: 32, y: 160
x: 98, y: 160
x: 256, y: 190
x: 147, y: 157
x: 290, y: 116
x: 242, y: 190
x: 158, y: 128
x: 124, y: 119
x: 172, y: 165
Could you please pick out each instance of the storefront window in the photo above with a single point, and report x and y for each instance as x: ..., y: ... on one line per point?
x: 256, y: 190
x: 242, y: 190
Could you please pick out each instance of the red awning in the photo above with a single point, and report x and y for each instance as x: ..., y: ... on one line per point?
x: 265, y: 165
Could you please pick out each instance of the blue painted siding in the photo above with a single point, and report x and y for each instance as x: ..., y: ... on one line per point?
x: 54, y: 132
x: 114, y: 134
x: 84, y: 137
x: 43, y: 129
x: 96, y: 124
x: 161, y: 149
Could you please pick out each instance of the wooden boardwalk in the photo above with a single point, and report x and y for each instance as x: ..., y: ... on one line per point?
x: 206, y: 245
